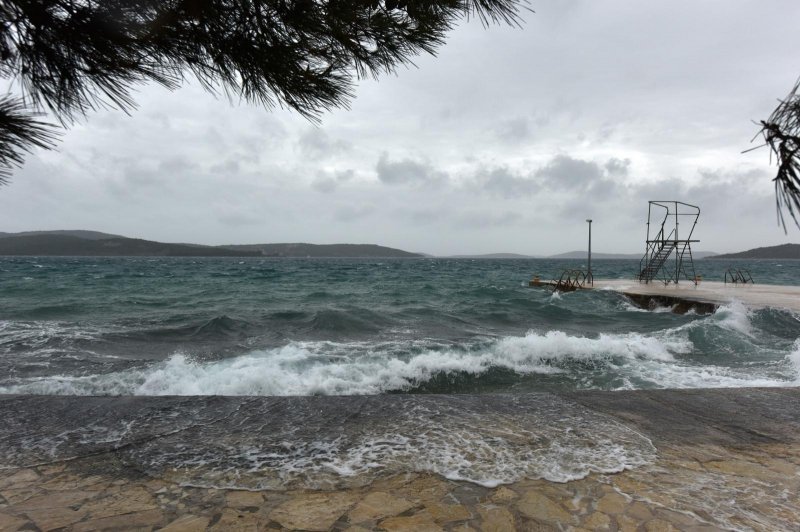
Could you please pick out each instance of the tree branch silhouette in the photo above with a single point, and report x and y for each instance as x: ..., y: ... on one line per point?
x: 781, y: 133
x: 70, y: 57
x: 20, y: 132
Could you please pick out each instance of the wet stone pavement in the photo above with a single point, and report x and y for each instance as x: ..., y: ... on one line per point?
x: 706, y: 488
x: 714, y: 470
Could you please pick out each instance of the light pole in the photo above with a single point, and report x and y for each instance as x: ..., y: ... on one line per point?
x: 591, y: 277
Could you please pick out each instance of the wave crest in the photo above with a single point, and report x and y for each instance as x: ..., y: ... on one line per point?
x: 329, y: 368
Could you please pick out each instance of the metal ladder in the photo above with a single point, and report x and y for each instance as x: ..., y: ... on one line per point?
x: 655, y: 263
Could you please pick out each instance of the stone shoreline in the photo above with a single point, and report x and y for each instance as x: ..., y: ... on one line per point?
x: 727, y: 459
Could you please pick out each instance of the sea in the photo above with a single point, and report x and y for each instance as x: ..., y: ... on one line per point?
x: 445, y: 331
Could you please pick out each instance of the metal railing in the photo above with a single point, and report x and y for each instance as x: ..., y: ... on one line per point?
x: 572, y: 280
x: 738, y: 276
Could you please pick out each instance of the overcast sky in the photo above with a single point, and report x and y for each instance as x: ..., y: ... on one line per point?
x: 505, y: 142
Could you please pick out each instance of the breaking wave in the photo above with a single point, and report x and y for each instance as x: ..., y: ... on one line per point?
x: 607, y: 361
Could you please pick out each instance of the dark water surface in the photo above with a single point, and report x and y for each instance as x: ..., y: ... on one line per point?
x: 183, y: 326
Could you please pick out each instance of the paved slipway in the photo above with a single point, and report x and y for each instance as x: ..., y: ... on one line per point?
x: 693, y: 460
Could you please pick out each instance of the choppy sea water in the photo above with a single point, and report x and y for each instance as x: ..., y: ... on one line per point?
x: 91, y: 326
x: 164, y: 326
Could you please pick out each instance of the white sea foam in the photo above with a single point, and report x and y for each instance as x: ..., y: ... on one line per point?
x: 531, y: 350
x: 794, y: 358
x: 735, y: 317
x: 36, y: 334
x: 309, y: 368
x: 558, y: 441
x: 671, y: 375
x: 481, y: 457
x: 626, y: 305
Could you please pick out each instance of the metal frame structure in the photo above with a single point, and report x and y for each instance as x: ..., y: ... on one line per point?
x: 589, y: 276
x: 657, y: 263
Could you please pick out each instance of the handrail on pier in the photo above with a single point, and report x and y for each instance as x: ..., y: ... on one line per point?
x: 572, y: 280
x: 738, y: 276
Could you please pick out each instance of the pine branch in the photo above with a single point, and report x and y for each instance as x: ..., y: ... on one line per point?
x: 20, y: 132
x: 73, y: 56
x: 781, y: 132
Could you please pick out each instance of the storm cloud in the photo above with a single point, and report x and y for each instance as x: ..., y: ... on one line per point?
x: 505, y: 142
x: 407, y: 171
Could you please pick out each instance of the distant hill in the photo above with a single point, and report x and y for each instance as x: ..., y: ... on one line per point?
x: 704, y: 254
x: 96, y: 244
x: 65, y: 245
x: 784, y: 251
x: 301, y: 250
x: 612, y: 256
x: 88, y: 235
x: 493, y: 256
x: 595, y: 255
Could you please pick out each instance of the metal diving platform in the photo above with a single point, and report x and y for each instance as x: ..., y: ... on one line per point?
x: 667, y: 257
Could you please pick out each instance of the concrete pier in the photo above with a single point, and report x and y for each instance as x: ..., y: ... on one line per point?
x: 706, y: 295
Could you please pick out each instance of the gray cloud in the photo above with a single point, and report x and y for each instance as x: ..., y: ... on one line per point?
x: 135, y: 176
x: 317, y: 144
x: 566, y: 172
x: 617, y: 167
x: 424, y: 216
x: 226, y: 168
x: 581, y: 178
x: 561, y: 173
x: 484, y: 220
x: 505, y: 183
x: 327, y: 182
x: 514, y: 130
x: 350, y: 213
x: 407, y: 171
x: 169, y: 167
x: 238, y: 219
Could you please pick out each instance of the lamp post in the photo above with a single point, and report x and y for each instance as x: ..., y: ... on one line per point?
x: 591, y: 277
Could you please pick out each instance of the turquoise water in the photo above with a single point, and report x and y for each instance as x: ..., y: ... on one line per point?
x: 125, y: 326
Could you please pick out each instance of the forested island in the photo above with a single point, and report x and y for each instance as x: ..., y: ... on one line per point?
x: 784, y: 251
x: 96, y: 244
